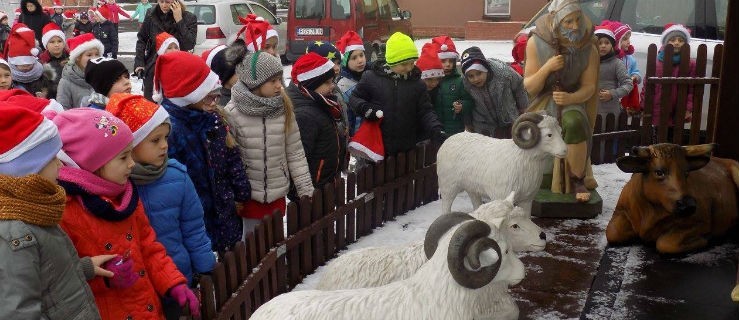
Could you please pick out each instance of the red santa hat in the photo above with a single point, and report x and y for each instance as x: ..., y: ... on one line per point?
x: 209, y: 54
x: 57, y: 4
x: 163, y: 41
x: 29, y: 141
x: 24, y: 99
x: 183, y: 78
x: 350, y: 41
x: 79, y: 44
x: 103, y: 12
x: 309, y: 66
x: 447, y: 49
x: 675, y: 29
x: 51, y: 30
x: 142, y: 116
x: 429, y: 62
x: 17, y: 12
x: 367, y: 142
x: 20, y: 47
x: 256, y: 31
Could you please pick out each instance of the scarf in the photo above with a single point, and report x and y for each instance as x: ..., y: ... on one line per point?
x: 143, y: 174
x: 623, y: 53
x: 329, y: 102
x: 675, y: 57
x: 608, y: 56
x: 98, y: 100
x: 28, y: 76
x: 31, y: 199
x: 256, y: 106
x: 96, y: 193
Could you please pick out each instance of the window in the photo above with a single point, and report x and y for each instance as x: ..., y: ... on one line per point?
x: 340, y: 9
x: 722, y: 7
x: 204, y: 13
x: 239, y: 10
x: 309, y: 9
x: 370, y: 9
x: 384, y: 8
x: 651, y: 16
x: 261, y: 11
x: 394, y: 11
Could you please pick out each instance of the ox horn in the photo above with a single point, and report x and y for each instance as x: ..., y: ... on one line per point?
x: 528, y: 120
x: 699, y: 149
x: 467, y: 243
x: 439, y: 227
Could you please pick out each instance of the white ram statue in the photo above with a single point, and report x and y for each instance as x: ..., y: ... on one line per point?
x: 377, y: 266
x: 448, y: 286
x: 484, y: 166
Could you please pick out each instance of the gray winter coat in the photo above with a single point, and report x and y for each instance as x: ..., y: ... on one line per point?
x: 613, y: 77
x: 42, y: 276
x: 73, y: 87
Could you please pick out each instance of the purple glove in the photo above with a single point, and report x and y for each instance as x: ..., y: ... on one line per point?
x: 183, y: 295
x: 123, y: 275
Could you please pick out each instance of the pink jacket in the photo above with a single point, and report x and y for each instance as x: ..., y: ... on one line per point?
x: 657, y: 110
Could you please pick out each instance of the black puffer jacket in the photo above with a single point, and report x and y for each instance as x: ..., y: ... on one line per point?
x: 406, y: 105
x: 106, y: 33
x: 324, y: 144
x: 35, y: 20
x: 156, y: 21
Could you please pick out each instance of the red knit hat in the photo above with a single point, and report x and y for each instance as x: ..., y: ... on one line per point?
x: 24, y: 99
x: 429, y: 62
x: 605, y: 31
x: 29, y: 141
x: 367, y: 142
x: 256, y: 31
x: 675, y: 29
x: 619, y: 29
x: 140, y: 115
x: 350, y: 41
x: 51, y: 30
x: 20, y: 47
x: 79, y: 44
x: 163, y: 41
x: 183, y: 78
x: 309, y: 66
x: 446, y: 47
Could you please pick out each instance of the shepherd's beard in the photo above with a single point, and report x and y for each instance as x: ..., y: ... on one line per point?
x: 571, y: 35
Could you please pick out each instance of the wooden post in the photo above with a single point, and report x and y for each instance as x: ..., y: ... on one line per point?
x: 728, y: 114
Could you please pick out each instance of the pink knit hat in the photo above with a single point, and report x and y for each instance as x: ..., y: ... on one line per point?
x: 91, y: 137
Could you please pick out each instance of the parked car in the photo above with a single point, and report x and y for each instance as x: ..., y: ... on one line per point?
x: 218, y: 21
x: 705, y: 18
x: 328, y: 20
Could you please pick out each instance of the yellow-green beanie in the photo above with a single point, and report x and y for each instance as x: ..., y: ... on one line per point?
x: 399, y: 48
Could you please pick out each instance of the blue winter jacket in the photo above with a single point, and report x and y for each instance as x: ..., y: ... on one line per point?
x: 175, y: 213
x: 198, y: 140
x: 632, y: 68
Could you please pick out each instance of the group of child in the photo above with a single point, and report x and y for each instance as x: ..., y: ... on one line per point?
x: 145, y: 192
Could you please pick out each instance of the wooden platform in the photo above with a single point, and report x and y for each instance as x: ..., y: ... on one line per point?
x: 548, y: 204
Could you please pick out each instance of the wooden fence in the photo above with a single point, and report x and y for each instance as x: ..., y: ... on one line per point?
x: 273, y: 260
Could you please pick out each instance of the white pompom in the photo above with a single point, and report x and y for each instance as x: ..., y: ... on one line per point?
x: 379, y: 114
x: 259, y: 19
x: 34, y: 52
x: 444, y: 47
x: 157, y: 96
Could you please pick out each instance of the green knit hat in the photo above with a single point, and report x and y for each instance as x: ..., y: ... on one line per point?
x: 399, y: 48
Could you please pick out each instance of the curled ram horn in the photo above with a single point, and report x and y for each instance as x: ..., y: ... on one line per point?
x: 527, y: 122
x: 439, y: 227
x: 468, y: 242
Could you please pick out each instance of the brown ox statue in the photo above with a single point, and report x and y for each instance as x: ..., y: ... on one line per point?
x: 678, y: 197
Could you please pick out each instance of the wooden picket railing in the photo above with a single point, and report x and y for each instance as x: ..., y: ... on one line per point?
x: 273, y: 260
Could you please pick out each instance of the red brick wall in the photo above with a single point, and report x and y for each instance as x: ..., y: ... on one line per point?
x: 485, y: 30
x: 430, y: 32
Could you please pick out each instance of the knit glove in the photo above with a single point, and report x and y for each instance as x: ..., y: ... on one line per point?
x: 182, y: 294
x: 123, y: 275
x: 373, y: 113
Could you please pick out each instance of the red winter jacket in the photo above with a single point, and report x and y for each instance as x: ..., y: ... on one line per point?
x: 94, y: 236
x: 114, y: 10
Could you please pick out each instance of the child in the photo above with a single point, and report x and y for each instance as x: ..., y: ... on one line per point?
x: 453, y: 105
x: 57, y: 17
x: 105, y: 31
x: 56, y: 55
x: 103, y: 214
x: 394, y: 86
x: 200, y: 140
x: 106, y: 76
x: 140, y: 13
x: 625, y: 52
x: 497, y: 91
x: 519, y: 51
x: 677, y: 35
x: 43, y: 277
x: 223, y: 60
x: 431, y: 68
x: 169, y: 197
x: 328, y: 51
x: 4, y: 30
x: 33, y: 16
x: 353, y: 64
x: 114, y: 10
x: 83, y: 24
x: 263, y: 123
x: 258, y: 35
x: 319, y: 118
x: 166, y: 43
x: 613, y: 81
x: 72, y: 86
x: 28, y: 74
x: 6, y: 78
